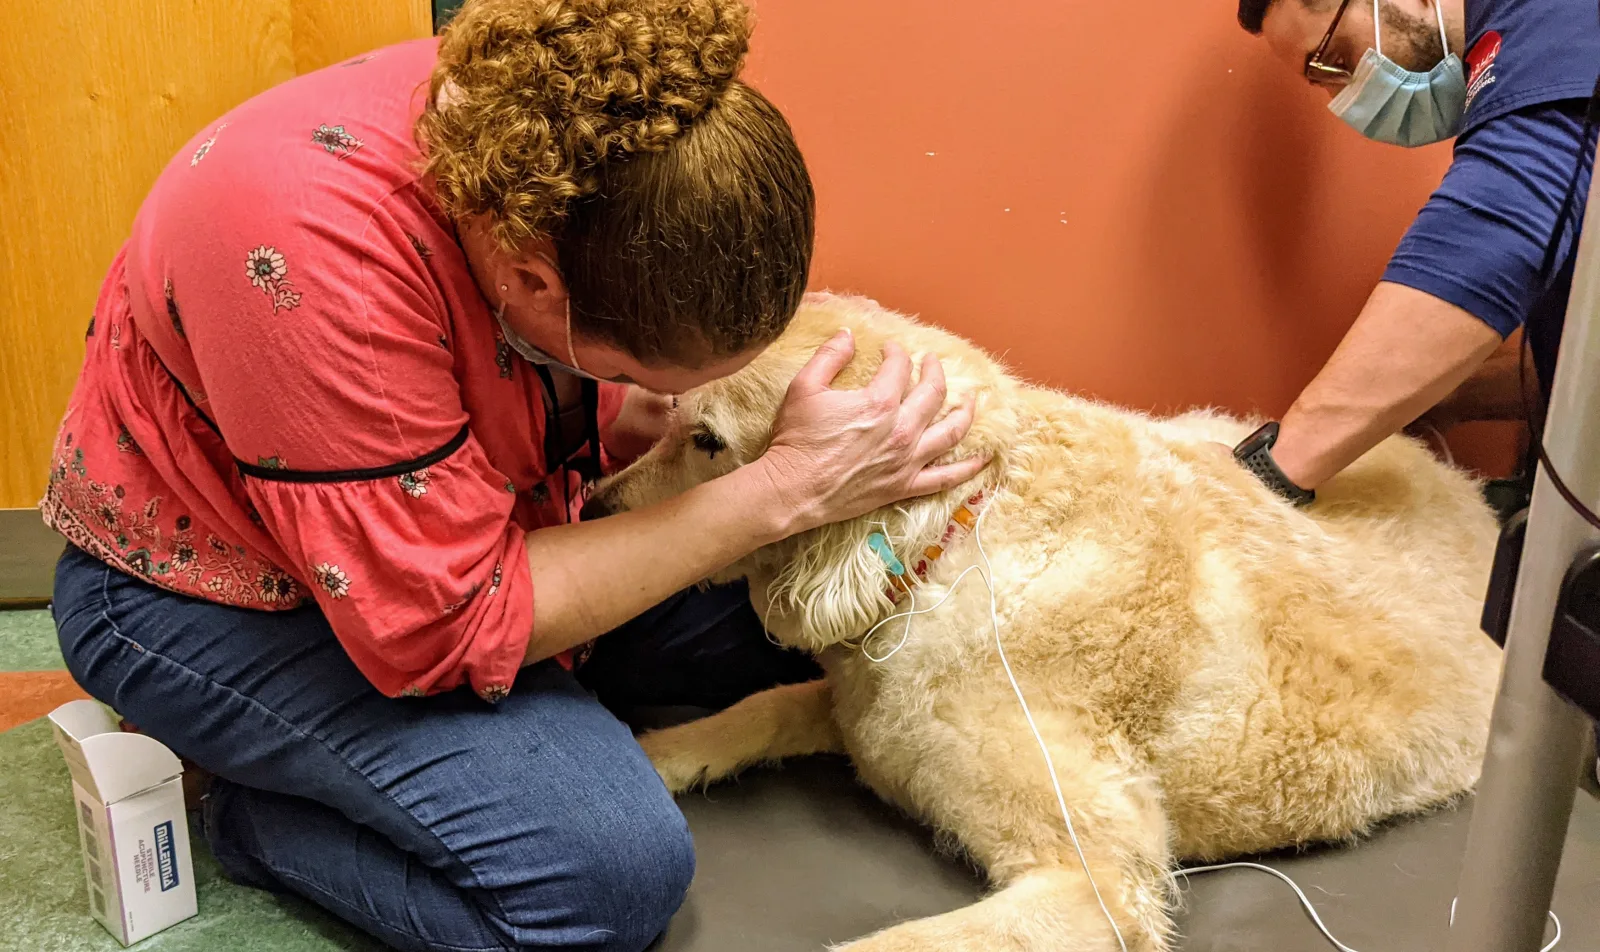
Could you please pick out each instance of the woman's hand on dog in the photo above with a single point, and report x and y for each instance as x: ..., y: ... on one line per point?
x: 839, y: 454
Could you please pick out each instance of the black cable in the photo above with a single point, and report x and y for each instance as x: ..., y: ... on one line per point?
x: 1591, y: 119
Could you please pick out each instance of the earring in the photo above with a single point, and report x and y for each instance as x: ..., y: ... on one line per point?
x: 504, y: 288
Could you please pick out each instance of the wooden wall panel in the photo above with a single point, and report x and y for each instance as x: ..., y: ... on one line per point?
x: 95, y: 103
x: 327, y: 31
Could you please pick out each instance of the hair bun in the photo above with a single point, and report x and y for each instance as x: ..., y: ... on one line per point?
x: 530, y: 97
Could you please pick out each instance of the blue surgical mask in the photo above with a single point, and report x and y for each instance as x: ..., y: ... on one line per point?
x: 1387, y: 103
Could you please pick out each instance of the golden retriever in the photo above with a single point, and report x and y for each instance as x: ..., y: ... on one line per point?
x: 1214, y: 671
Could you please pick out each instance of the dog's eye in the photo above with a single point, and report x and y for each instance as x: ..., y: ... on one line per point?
x: 707, y: 442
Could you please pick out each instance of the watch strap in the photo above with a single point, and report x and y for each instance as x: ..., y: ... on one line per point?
x: 1254, y: 452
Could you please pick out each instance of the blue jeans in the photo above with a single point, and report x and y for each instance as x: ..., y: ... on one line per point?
x: 431, y: 823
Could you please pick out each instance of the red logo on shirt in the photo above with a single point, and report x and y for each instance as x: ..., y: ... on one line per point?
x: 1480, y: 64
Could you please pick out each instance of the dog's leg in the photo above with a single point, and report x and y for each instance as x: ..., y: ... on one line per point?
x: 983, y: 779
x: 1044, y: 910
x: 788, y: 721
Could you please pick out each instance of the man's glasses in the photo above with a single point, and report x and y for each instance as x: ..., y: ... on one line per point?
x: 1320, y: 73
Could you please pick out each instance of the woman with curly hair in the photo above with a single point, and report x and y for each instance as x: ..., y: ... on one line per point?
x: 372, y: 332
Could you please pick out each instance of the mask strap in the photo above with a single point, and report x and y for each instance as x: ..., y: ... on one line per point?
x: 1377, y: 27
x: 1444, y: 40
x: 572, y: 355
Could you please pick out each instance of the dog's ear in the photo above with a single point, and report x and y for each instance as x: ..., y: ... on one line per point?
x: 835, y: 585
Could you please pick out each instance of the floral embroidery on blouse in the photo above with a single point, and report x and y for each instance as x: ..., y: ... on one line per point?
x: 494, y: 693
x: 415, y: 484
x: 502, y: 354
x: 331, y: 579
x: 172, y: 309
x: 511, y: 487
x: 422, y: 250
x: 494, y: 580
x: 412, y: 691
x: 125, y: 442
x: 267, y: 270
x: 184, y: 555
x: 205, y: 147
x: 101, y: 520
x: 275, y: 585
x: 270, y: 462
x: 335, y: 140
x: 472, y: 593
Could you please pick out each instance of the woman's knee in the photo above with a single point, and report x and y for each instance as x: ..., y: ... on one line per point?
x: 639, y: 866
x: 621, y: 873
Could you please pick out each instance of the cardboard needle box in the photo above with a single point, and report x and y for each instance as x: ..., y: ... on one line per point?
x: 131, y: 825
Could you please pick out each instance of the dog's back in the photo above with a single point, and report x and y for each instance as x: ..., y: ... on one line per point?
x: 1292, y: 675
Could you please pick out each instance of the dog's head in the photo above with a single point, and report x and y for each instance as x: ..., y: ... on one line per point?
x: 827, y: 580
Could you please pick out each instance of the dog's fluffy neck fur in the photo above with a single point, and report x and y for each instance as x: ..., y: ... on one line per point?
x: 831, y: 584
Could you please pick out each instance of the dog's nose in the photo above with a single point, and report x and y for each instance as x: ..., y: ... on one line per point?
x: 594, y: 508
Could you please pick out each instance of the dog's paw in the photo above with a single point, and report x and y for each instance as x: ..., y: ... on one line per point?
x: 674, y: 755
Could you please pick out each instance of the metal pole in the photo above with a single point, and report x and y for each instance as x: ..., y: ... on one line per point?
x: 1536, y: 740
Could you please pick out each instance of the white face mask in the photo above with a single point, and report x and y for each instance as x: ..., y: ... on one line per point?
x: 1386, y: 102
x: 533, y: 355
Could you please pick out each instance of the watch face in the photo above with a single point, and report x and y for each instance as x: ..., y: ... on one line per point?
x: 1261, y: 439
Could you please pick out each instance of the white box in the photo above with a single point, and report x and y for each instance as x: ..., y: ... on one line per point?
x: 131, y: 826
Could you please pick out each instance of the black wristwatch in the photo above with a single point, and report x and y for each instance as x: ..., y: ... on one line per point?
x: 1255, y: 452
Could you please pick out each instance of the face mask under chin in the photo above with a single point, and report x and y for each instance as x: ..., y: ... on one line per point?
x: 1388, y: 103
x: 534, y: 355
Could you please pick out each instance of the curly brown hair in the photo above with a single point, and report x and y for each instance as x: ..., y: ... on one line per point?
x: 679, y: 204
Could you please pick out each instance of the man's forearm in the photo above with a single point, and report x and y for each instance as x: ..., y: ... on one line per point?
x: 590, y: 577
x: 1405, y: 353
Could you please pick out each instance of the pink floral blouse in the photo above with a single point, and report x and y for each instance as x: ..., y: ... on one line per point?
x: 293, y: 390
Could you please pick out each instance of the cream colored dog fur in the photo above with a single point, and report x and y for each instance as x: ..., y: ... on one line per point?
x: 1215, y: 672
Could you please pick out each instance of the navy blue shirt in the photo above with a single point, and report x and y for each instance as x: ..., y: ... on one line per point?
x: 1480, y: 240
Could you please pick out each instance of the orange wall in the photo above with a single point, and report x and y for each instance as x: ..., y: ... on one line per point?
x: 1127, y: 200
